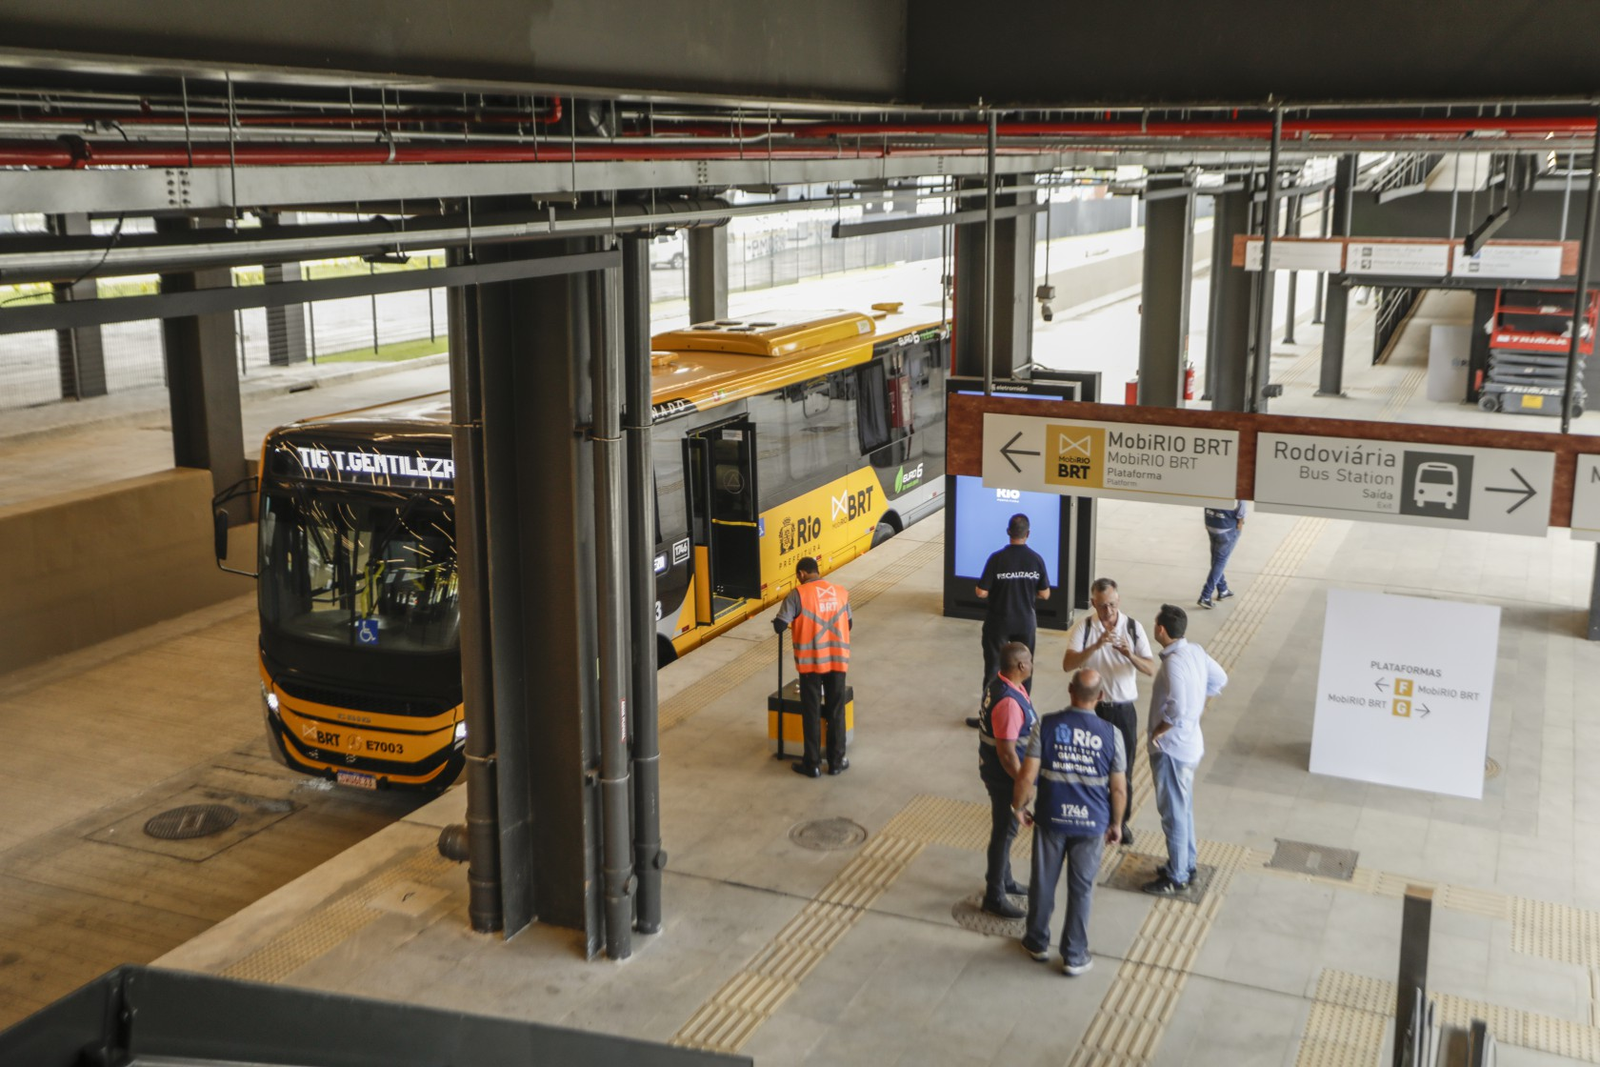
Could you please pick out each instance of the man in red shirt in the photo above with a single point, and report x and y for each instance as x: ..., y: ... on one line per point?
x: 1006, y: 719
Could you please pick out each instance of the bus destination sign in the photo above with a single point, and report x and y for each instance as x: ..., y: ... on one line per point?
x: 370, y: 467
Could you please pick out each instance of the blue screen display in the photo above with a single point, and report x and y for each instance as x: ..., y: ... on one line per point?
x: 981, y: 517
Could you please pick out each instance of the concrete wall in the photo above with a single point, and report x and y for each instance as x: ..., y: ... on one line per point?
x: 87, y: 566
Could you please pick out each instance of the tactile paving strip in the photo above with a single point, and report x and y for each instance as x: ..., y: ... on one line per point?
x: 1555, y: 931
x: 683, y: 704
x: 1351, y: 1010
x: 333, y: 923
x: 727, y: 1021
x: 1401, y: 395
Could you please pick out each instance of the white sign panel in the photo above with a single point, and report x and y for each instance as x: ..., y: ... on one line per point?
x: 1493, y: 490
x: 1291, y: 254
x: 1509, y: 261
x: 1404, y: 691
x: 1397, y: 258
x: 1164, y: 464
x: 1586, y: 499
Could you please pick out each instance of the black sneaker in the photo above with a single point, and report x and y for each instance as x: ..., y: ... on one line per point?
x: 1127, y: 837
x: 1190, y: 879
x: 1003, y: 909
x: 1042, y: 955
x: 1204, y: 602
x: 1072, y: 970
x: 1016, y: 889
x: 1224, y: 594
x: 973, y: 721
x: 1164, y: 887
x: 809, y: 772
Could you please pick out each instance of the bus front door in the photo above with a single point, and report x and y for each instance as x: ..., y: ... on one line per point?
x: 721, y: 465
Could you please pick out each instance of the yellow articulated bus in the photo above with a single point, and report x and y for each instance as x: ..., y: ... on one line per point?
x: 777, y: 437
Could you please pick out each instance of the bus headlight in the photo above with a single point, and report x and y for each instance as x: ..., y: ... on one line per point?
x: 461, y: 731
x: 269, y: 698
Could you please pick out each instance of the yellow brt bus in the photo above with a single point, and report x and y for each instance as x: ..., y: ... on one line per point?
x: 777, y: 437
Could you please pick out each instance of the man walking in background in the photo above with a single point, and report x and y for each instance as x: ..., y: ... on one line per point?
x: 1188, y: 677
x: 1223, y: 526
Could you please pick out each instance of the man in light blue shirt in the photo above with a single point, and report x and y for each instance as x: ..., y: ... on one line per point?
x: 1186, y: 679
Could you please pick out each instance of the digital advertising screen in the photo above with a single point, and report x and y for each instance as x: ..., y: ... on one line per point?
x: 981, y: 515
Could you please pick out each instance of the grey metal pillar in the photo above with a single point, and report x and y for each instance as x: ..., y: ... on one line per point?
x: 1167, y: 237
x: 708, y: 274
x: 1336, y: 310
x: 203, y: 383
x: 1013, y: 285
x: 537, y: 341
x: 472, y: 571
x: 1412, y: 987
x: 1261, y: 373
x: 649, y: 859
x: 80, y: 353
x: 1292, y: 229
x: 286, y: 326
x: 1228, y: 333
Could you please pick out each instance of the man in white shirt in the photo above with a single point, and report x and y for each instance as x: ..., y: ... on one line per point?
x: 1115, y: 647
x: 1187, y: 679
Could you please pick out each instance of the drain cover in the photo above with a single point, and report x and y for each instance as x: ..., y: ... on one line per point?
x: 1318, y: 860
x: 970, y: 914
x: 828, y: 835
x: 191, y: 820
x: 1135, y: 869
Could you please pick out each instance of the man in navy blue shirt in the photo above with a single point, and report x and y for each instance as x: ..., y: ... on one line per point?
x: 1013, y: 579
x: 1223, y: 526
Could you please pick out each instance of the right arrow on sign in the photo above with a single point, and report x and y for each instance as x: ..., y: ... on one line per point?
x: 1007, y: 451
x: 1424, y: 711
x: 1525, y: 494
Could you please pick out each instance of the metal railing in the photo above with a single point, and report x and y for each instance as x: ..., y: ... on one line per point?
x: 1394, y: 307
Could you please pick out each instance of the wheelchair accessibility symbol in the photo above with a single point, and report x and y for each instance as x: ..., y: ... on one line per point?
x: 367, y: 631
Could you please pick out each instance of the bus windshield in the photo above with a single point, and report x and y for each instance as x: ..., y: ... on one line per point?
x: 375, y: 572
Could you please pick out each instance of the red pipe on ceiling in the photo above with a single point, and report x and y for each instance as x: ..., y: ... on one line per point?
x: 365, y: 119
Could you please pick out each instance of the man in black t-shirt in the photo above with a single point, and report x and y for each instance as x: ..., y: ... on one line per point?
x: 1014, y: 579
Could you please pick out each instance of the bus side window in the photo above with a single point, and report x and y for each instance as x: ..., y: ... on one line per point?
x: 872, y: 410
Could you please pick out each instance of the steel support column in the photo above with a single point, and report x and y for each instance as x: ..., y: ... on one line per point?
x: 472, y: 572
x: 1167, y: 258
x: 1292, y: 229
x: 1336, y: 309
x: 79, y: 351
x: 286, y: 326
x: 1013, y: 284
x: 649, y: 859
x: 537, y: 341
x: 1261, y: 372
x: 1228, y: 333
x: 708, y: 274
x: 203, y: 384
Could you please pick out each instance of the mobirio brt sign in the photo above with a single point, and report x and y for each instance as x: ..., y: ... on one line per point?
x: 1173, y: 464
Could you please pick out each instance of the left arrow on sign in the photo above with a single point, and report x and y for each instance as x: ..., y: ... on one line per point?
x: 1007, y: 451
x: 1525, y: 494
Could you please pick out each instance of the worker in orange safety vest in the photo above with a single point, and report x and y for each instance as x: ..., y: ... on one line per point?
x: 818, y: 614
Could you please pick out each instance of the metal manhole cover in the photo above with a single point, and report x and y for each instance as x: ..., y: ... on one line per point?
x: 1133, y: 870
x: 828, y: 835
x: 1491, y: 769
x: 1320, y: 861
x: 191, y: 820
x: 969, y: 913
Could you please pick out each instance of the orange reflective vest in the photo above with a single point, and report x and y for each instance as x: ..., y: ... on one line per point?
x: 822, y: 629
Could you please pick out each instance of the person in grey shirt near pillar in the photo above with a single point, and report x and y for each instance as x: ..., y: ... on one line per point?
x: 1115, y: 647
x: 1223, y: 527
x: 1188, y: 677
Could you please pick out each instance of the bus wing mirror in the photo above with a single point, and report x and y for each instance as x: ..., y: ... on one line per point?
x: 219, y: 531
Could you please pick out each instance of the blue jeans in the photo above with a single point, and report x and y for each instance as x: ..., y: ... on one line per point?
x: 1222, y: 542
x: 1082, y: 857
x: 1174, y: 784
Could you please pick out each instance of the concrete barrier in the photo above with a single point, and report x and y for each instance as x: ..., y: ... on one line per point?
x: 88, y: 566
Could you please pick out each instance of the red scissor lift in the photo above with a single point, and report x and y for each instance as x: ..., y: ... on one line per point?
x: 1530, y: 338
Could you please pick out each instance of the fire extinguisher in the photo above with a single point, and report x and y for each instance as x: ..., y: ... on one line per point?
x: 1130, y: 393
x: 1188, y: 380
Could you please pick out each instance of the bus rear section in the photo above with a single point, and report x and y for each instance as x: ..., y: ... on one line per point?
x: 359, y: 654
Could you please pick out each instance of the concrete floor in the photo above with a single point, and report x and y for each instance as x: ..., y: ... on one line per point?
x: 759, y: 955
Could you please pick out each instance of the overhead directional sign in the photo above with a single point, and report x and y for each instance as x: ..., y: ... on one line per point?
x: 1504, y: 260
x: 1495, y: 490
x: 1162, y: 464
x: 1420, y: 259
x: 1403, y: 693
x: 1586, y: 499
